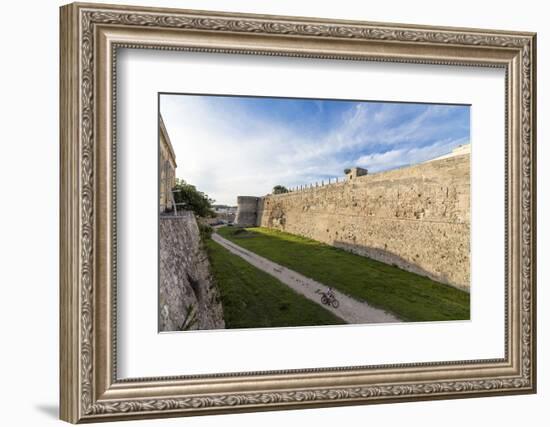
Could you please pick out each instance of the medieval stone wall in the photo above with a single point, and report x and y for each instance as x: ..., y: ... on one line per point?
x: 417, y: 218
x: 247, y: 211
x: 188, y: 297
x: 167, y: 168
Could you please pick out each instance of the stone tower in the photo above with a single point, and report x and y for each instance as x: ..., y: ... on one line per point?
x: 355, y: 172
x: 247, y: 211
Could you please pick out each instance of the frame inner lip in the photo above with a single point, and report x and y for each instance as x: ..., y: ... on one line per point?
x: 465, y: 364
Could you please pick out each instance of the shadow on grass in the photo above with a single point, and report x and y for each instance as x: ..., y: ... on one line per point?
x: 410, y: 296
x: 251, y: 298
x: 389, y: 258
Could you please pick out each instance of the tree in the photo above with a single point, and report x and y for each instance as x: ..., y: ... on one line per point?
x: 192, y: 199
x: 347, y: 170
x: 280, y: 189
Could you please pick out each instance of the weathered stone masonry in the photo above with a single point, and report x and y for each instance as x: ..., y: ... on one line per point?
x: 188, y: 297
x: 247, y: 210
x: 167, y: 168
x: 187, y: 292
x: 417, y: 218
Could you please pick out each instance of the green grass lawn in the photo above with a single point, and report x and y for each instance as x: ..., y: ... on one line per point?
x: 254, y: 299
x: 409, y: 296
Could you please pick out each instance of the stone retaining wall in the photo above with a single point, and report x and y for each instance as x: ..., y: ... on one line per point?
x: 417, y: 218
x: 188, y: 295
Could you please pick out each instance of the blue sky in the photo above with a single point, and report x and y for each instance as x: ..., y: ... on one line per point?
x: 231, y: 146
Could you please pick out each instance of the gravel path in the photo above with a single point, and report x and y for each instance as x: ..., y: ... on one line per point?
x: 350, y: 310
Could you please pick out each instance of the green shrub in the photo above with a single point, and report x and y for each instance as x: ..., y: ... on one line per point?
x: 189, y: 198
x: 280, y: 189
x: 205, y: 231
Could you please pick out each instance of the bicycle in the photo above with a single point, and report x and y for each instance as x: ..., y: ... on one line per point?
x: 328, y: 299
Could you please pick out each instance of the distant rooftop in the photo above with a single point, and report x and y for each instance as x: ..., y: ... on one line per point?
x: 461, y: 150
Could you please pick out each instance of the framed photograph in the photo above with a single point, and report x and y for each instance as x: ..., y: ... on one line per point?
x: 266, y: 212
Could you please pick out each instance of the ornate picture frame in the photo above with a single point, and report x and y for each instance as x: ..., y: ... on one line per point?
x: 90, y: 37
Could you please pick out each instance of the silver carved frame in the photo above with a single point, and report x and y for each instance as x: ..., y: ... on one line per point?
x: 90, y: 36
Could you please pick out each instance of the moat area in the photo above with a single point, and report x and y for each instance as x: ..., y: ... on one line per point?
x: 309, y: 212
x: 253, y: 298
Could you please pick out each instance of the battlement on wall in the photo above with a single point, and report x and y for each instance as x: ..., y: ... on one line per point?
x: 360, y: 175
x: 416, y: 217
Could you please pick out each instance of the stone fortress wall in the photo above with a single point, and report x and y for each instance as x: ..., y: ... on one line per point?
x: 247, y: 211
x: 167, y: 168
x: 416, y: 217
x: 188, y: 296
x: 187, y: 293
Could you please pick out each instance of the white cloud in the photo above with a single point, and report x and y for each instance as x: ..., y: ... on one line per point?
x: 232, y: 153
x: 225, y: 154
x: 377, y: 162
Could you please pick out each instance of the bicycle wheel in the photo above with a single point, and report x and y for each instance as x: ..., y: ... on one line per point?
x: 325, y: 300
x: 335, y: 303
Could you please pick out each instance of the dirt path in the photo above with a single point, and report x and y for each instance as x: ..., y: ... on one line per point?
x: 350, y: 310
